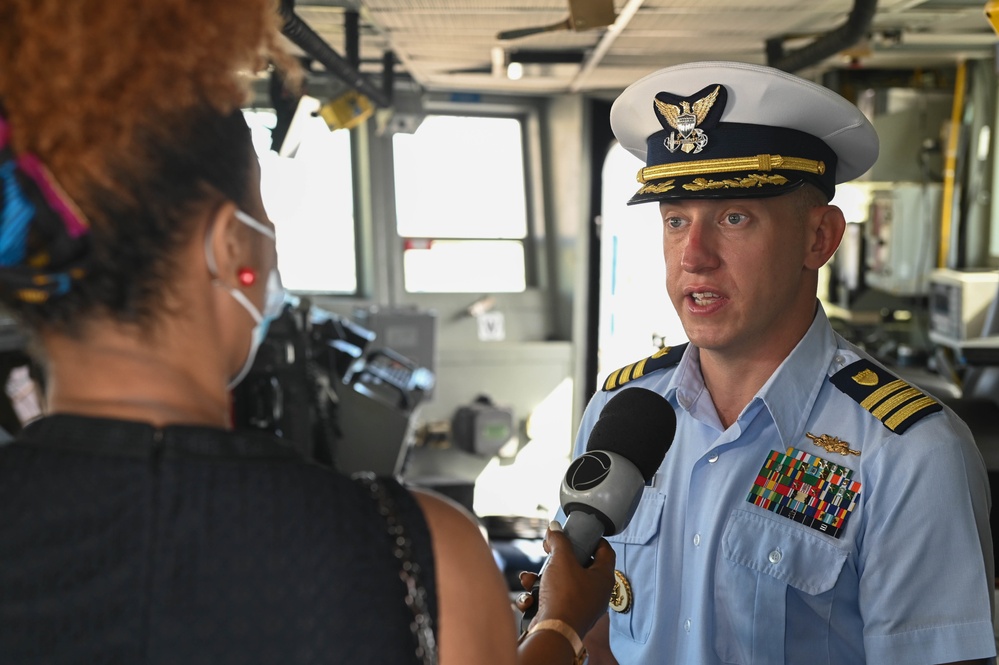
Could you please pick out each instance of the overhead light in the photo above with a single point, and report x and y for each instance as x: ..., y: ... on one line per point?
x: 515, y: 71
x: 498, y: 57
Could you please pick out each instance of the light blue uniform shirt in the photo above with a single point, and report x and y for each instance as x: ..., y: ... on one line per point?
x: 717, y: 579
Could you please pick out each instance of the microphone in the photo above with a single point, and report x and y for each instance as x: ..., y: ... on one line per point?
x: 602, y: 488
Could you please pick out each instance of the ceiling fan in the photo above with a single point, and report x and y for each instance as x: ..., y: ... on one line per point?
x: 583, y: 15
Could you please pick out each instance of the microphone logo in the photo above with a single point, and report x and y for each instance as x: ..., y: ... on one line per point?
x: 588, y: 471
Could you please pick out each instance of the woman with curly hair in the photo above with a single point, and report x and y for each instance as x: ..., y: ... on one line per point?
x: 135, y: 525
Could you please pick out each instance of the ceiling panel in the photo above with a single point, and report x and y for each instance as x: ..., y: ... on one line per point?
x: 439, y: 42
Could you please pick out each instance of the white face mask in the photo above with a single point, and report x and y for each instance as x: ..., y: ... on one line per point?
x: 273, y: 300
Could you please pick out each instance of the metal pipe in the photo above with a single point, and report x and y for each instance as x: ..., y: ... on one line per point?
x: 856, y: 26
x: 351, y: 38
x: 606, y: 41
x: 305, y: 38
x: 388, y: 74
x: 947, y: 212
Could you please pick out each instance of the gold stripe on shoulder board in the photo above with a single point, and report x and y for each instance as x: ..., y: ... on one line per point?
x: 888, y: 398
x: 665, y: 357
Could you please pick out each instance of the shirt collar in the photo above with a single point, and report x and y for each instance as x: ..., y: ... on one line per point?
x: 687, y: 391
x: 789, y: 392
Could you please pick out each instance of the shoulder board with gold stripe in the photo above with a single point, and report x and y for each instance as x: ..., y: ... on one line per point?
x: 666, y: 357
x: 889, y: 399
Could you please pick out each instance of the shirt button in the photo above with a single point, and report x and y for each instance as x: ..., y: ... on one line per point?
x: 839, y: 360
x: 713, y: 459
x: 697, y: 539
x: 775, y: 557
x: 686, y: 625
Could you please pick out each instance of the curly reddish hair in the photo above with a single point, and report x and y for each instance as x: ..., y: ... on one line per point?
x: 134, y: 108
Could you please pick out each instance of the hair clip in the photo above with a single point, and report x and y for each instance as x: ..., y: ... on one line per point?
x: 4, y: 132
x: 52, y: 193
x: 54, y: 196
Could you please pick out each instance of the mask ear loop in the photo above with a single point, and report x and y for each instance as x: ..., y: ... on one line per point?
x: 254, y: 224
x: 214, y: 272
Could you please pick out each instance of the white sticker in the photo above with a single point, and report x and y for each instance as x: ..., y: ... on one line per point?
x: 492, y: 327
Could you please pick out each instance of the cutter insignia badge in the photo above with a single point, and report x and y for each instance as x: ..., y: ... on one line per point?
x: 832, y: 444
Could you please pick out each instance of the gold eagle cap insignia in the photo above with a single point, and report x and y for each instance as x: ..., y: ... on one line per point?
x: 698, y: 109
x: 866, y: 378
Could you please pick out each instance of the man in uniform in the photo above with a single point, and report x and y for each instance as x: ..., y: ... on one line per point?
x: 814, y: 508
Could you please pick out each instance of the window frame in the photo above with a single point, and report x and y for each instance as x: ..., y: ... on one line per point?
x: 356, y: 222
x: 378, y: 263
x: 528, y: 113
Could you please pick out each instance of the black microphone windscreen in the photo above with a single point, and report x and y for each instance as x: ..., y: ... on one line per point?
x: 637, y: 424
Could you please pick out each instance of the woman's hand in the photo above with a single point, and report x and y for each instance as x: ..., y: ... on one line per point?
x: 570, y: 592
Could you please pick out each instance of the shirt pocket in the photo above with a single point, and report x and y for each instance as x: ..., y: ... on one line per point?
x: 637, y: 550
x: 762, y: 557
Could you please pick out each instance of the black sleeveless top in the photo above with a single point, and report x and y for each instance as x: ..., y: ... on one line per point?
x: 125, y: 543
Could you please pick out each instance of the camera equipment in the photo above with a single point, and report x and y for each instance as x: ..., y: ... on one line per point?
x: 320, y: 383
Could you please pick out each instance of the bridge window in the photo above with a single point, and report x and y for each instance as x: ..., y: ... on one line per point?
x: 632, y: 271
x: 308, y: 195
x: 461, y: 207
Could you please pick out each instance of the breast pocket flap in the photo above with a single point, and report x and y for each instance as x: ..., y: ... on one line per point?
x: 784, y: 550
x: 644, y: 525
